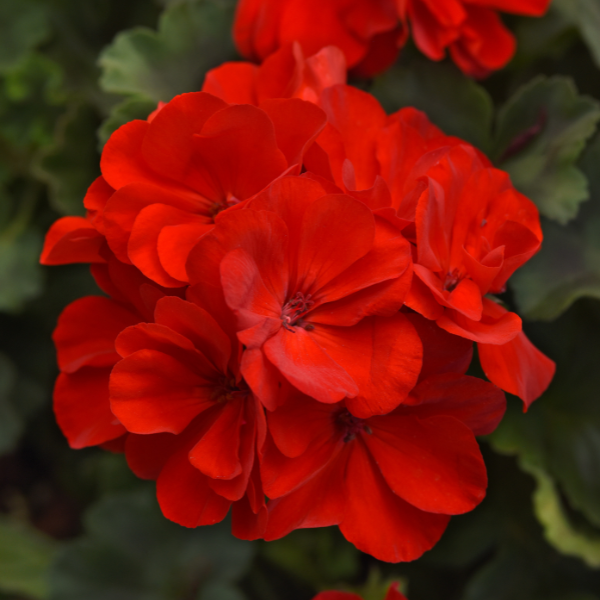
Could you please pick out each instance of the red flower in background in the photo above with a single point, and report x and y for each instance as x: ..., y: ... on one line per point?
x: 370, y: 32
x: 310, y: 278
x: 392, y: 594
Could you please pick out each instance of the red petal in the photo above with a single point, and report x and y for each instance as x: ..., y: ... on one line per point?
x: 148, y: 454
x: 479, y: 404
x: 87, y: 330
x: 198, y: 326
x: 389, y: 258
x: 442, y: 352
x: 380, y: 523
x: 305, y: 364
x: 359, y: 118
x: 318, y: 503
x: 297, y: 124
x: 262, y: 378
x: 152, y: 392
x: 142, y: 248
x: 490, y: 330
x: 256, y: 303
x: 168, y: 145
x: 384, y: 356
x: 82, y: 408
x: 126, y: 204
x: 485, y: 43
x: 228, y: 163
x: 518, y: 367
x: 184, y: 493
x: 217, y: 453
x: 300, y: 423
x: 336, y: 232
x: 72, y: 240
x: 96, y: 197
x: 175, y: 244
x: 433, y: 463
x: 234, y: 82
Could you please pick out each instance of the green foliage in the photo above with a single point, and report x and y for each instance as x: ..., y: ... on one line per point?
x: 559, y: 438
x: 131, y: 552
x: 321, y: 558
x: 23, y: 25
x: 25, y: 558
x: 585, y: 15
x: 20, y: 273
x: 151, y: 66
x: 560, y: 122
x: 71, y: 163
x: 514, y: 563
x: 568, y: 266
x: 465, y: 111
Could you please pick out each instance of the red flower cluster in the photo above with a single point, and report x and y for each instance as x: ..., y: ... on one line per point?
x: 392, y: 594
x: 295, y: 283
x: 370, y: 32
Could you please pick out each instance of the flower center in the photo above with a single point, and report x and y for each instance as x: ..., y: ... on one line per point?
x: 452, y: 280
x: 351, y: 426
x: 228, y: 389
x: 218, y: 207
x: 293, y: 311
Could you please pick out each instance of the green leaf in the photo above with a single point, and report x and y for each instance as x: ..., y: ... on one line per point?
x: 133, y: 108
x: 19, y: 398
x: 70, y: 165
x: 23, y: 25
x: 559, y: 531
x: 556, y: 123
x: 585, y: 15
x: 11, y: 424
x: 560, y: 434
x: 25, y: 558
x: 320, y: 557
x: 192, y: 37
x: 453, y: 102
x: 20, y: 272
x: 516, y: 563
x: 131, y: 552
x: 568, y: 265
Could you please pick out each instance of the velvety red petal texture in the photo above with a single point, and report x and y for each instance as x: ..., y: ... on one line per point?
x: 72, y: 240
x: 82, y: 408
x: 518, y: 367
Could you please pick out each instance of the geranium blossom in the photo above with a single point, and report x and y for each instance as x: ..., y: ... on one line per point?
x: 370, y: 32
x: 198, y: 425
x: 390, y: 482
x: 309, y: 277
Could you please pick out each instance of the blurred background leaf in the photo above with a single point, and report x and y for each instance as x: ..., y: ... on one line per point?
x: 25, y: 558
x: 131, y: 552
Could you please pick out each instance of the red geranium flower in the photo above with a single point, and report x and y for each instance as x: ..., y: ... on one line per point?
x: 390, y: 482
x: 473, y: 230
x: 166, y: 179
x: 370, y: 32
x: 85, y: 344
x: 198, y: 425
x: 470, y: 228
x: 309, y: 277
x: 392, y: 594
